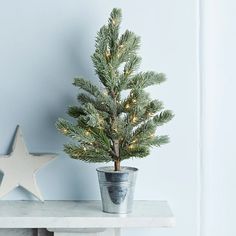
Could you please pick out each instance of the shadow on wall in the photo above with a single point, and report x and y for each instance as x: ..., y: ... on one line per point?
x: 9, y: 150
x: 52, y: 93
x: 75, y: 53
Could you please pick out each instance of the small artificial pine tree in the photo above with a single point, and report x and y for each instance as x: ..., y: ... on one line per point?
x: 110, y: 126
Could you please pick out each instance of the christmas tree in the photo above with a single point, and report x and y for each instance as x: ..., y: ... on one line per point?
x: 110, y: 126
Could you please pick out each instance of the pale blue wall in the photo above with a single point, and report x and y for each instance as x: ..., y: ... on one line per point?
x: 44, y: 44
x: 218, y: 51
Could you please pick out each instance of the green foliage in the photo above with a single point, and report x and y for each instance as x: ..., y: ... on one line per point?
x: 107, y: 126
x: 143, y: 80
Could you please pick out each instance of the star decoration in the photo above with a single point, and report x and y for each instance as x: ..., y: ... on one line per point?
x: 20, y: 166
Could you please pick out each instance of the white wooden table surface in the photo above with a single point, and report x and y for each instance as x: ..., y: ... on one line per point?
x: 82, y: 217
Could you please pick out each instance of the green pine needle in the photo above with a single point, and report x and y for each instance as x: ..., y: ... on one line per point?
x: 109, y: 126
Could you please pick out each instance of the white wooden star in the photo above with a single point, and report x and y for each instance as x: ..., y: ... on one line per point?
x: 20, y: 166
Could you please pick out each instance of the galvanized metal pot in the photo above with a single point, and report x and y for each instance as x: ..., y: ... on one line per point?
x: 117, y: 188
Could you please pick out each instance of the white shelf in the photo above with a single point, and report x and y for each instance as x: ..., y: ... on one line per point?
x: 82, y: 214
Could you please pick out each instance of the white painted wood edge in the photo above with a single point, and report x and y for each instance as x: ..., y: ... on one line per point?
x: 72, y: 222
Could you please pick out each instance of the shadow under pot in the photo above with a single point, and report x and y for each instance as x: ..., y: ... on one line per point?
x: 117, y: 188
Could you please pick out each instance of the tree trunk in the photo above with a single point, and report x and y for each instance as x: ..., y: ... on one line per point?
x: 117, y: 165
x: 117, y: 152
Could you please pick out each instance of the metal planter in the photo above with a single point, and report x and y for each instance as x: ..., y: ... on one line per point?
x: 117, y: 188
